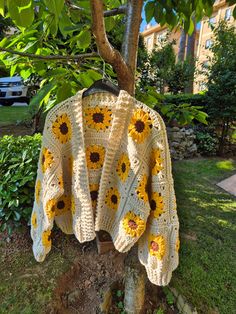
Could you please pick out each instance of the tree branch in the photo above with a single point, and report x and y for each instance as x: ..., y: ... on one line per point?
x: 51, y: 58
x: 107, y: 52
x: 120, y: 10
x: 131, y: 36
x: 116, y: 11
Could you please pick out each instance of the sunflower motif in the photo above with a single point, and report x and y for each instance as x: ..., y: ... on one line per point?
x: 177, y: 245
x: 157, y: 246
x: 156, y: 161
x: 95, y: 156
x: 61, y: 181
x: 123, y: 167
x: 140, y: 125
x: 157, y: 205
x: 62, y: 128
x: 142, y: 189
x: 50, y: 208
x: 34, y: 220
x: 94, y: 193
x: 63, y: 205
x: 46, y: 159
x: 98, y: 118
x: 46, y: 238
x: 112, y: 198
x: 133, y: 224
x: 37, y: 191
x: 72, y: 205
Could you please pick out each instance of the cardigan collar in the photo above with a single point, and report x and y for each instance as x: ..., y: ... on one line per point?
x: 120, y: 112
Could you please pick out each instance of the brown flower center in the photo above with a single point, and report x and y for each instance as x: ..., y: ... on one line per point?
x: 153, y: 205
x: 123, y: 167
x: 98, y: 117
x: 139, y: 126
x: 43, y: 159
x: 154, y: 246
x: 94, y: 157
x: 60, y: 204
x: 114, y: 199
x: 132, y: 224
x: 94, y: 195
x: 64, y: 128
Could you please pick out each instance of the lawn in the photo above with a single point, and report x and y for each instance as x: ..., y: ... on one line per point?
x: 11, y: 115
x: 206, y: 275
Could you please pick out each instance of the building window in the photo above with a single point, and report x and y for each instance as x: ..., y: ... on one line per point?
x: 205, y: 64
x: 212, y: 20
x: 208, y: 43
x: 202, y: 86
x: 149, y: 41
x: 161, y: 37
x: 227, y: 14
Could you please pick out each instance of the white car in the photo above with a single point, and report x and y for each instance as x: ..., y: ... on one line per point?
x: 12, y: 89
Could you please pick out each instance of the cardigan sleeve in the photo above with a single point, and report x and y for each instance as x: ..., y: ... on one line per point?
x: 48, y: 189
x: 158, y: 246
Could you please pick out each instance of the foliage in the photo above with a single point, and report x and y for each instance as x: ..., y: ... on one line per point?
x: 192, y: 99
x: 169, y: 296
x: 221, y: 85
x: 208, y: 220
x: 14, y: 115
x: 183, y: 113
x: 206, y: 140
x: 181, y: 74
x: 18, y: 167
x: 180, y: 12
x: 64, y: 28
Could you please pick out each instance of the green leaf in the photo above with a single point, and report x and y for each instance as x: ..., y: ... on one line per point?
x: 84, y: 39
x: 2, y: 7
x: 55, y: 6
x: 43, y: 92
x: 64, y: 22
x: 64, y: 92
x: 149, y: 11
x: 21, y: 12
x: 109, y: 23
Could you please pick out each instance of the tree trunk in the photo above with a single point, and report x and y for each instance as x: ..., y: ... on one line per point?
x: 182, y: 44
x: 190, y: 58
x: 124, y: 65
x: 135, y: 277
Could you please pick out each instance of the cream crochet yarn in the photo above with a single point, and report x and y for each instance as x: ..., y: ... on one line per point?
x: 105, y: 165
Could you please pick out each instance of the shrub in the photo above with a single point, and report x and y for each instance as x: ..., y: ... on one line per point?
x: 18, y: 168
x: 192, y: 99
x: 206, y: 140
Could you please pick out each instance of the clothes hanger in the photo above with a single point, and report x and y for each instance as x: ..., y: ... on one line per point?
x: 102, y: 85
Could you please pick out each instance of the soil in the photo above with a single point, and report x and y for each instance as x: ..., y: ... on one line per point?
x: 16, y: 130
x: 82, y: 287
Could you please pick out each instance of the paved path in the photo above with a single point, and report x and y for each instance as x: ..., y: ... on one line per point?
x: 229, y: 184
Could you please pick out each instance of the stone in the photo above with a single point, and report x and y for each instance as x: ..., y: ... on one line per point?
x: 180, y: 302
x: 175, y: 128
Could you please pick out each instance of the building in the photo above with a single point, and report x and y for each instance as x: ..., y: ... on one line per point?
x: 203, y: 37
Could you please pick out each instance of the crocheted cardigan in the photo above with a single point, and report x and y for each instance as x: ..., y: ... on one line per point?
x: 105, y: 165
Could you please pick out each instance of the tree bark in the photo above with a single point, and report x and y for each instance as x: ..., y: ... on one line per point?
x: 107, y: 51
x: 131, y: 36
x: 124, y: 65
x: 190, y: 58
x: 182, y: 44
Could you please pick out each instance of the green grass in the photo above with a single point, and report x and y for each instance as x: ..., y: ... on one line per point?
x: 12, y: 115
x: 206, y: 275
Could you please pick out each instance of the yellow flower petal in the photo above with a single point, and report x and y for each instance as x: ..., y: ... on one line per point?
x: 157, y: 246
x: 123, y: 167
x: 46, y: 238
x: 133, y: 224
x: 142, y: 189
x: 34, y: 220
x: 112, y: 198
x: 62, y: 128
x: 37, y: 191
x: 46, y: 159
x: 98, y: 118
x: 140, y: 125
x: 157, y: 205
